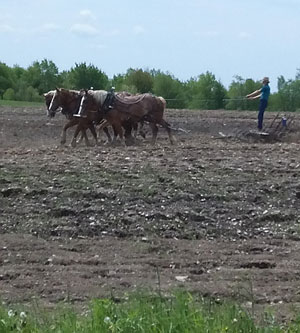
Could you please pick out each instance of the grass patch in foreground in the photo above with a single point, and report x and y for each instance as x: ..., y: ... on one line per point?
x: 140, y: 313
x: 20, y: 103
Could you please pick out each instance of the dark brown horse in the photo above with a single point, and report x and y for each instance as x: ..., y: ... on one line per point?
x: 69, y: 101
x: 145, y: 107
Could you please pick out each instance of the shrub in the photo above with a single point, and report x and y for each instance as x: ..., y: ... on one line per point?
x: 9, y: 94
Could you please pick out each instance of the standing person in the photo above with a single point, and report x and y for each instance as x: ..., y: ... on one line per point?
x: 263, y: 94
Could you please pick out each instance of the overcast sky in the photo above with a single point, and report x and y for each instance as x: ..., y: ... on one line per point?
x: 184, y: 37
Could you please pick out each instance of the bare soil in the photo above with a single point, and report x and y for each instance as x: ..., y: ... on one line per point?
x: 217, y: 214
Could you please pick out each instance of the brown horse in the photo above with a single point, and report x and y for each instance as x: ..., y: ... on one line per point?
x: 145, y: 107
x: 69, y: 101
x: 72, y: 121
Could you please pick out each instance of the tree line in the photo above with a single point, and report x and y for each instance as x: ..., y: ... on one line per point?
x: 201, y: 92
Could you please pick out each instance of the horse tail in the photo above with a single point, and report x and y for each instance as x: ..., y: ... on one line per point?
x: 164, y: 102
x: 165, y: 124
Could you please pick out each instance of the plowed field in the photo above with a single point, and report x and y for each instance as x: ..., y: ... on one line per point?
x: 216, y: 214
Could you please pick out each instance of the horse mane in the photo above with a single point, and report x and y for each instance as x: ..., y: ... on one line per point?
x: 74, y: 91
x: 49, y: 93
x: 69, y: 92
x: 98, y: 95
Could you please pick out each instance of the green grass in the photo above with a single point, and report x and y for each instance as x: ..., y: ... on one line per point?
x: 141, y: 313
x: 20, y: 103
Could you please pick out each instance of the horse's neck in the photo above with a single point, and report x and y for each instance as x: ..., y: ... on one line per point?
x: 99, y: 97
x: 67, y: 99
x: 69, y: 103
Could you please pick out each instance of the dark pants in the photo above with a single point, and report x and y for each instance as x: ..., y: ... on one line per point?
x: 262, y: 107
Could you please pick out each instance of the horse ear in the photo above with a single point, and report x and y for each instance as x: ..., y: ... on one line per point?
x: 57, y: 89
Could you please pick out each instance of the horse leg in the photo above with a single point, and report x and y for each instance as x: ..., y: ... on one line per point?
x: 79, y: 128
x: 128, y: 125
x: 141, y: 130
x: 82, y: 136
x: 93, y: 131
x: 135, y: 129
x: 119, y: 130
x: 69, y: 124
x: 114, y: 140
x: 167, y: 126
x: 103, y: 124
x: 106, y: 131
x: 154, y: 133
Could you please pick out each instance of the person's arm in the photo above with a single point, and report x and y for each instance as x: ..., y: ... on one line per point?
x: 254, y: 95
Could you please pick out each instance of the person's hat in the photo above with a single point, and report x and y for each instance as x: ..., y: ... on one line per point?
x: 266, y: 79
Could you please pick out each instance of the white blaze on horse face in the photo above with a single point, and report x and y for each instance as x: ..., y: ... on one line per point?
x: 81, y: 104
x: 51, y: 104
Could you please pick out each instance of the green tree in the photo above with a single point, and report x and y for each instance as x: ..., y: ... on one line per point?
x: 171, y: 89
x: 32, y: 76
x: 18, y: 72
x: 32, y: 95
x: 6, y: 78
x: 50, y: 78
x: 288, y: 96
x: 120, y: 84
x: 142, y: 80
x: 24, y: 92
x: 9, y: 94
x: 238, y: 89
x: 280, y: 82
x: 205, y: 92
x: 42, y: 76
x: 84, y: 77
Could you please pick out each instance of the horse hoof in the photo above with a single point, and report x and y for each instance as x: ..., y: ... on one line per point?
x: 173, y: 141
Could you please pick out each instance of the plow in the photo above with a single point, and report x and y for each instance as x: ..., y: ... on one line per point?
x: 279, y: 127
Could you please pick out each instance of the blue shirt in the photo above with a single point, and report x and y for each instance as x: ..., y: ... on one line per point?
x: 265, y: 92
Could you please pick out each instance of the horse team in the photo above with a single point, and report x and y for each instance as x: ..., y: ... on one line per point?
x: 87, y: 108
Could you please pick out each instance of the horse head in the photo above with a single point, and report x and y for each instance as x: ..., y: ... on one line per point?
x: 48, y: 99
x: 68, y: 100
x: 91, y: 100
x: 71, y: 101
x: 55, y: 102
